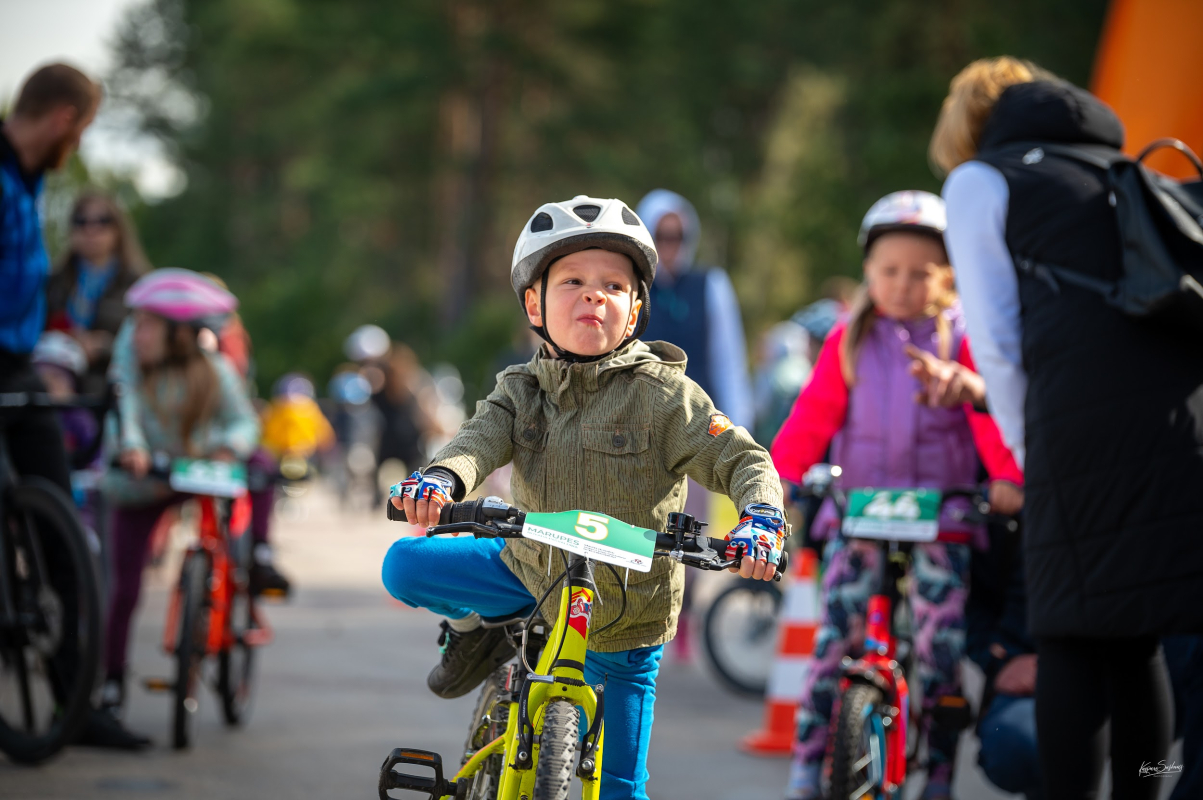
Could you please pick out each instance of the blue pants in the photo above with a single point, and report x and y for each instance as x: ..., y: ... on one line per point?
x: 1008, y: 753
x: 456, y: 576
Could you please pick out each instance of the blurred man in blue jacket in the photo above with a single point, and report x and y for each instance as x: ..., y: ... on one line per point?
x: 52, y: 110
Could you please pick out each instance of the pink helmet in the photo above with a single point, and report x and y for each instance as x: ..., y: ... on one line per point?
x: 180, y: 295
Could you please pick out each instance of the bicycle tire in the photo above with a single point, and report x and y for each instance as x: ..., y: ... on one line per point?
x: 488, y: 722
x: 553, y: 770
x: 752, y: 639
x: 190, y: 647
x: 236, y: 663
x: 74, y: 594
x: 849, y: 740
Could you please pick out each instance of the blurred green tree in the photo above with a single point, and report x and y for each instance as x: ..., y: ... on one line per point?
x: 373, y: 160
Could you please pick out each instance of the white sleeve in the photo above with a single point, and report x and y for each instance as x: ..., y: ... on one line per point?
x: 728, y: 365
x: 977, y: 197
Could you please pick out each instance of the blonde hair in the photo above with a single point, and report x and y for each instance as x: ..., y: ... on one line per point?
x: 862, y: 314
x: 970, y: 101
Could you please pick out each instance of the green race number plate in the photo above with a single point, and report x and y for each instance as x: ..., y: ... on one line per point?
x: 214, y: 478
x: 594, y: 536
x: 904, y: 515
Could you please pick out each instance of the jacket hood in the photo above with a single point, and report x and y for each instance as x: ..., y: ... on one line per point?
x: 555, y: 375
x: 659, y: 202
x: 1051, y: 111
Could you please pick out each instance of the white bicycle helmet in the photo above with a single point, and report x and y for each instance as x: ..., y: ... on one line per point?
x: 60, y: 350
x: 918, y: 212
x: 582, y: 223
x: 366, y: 343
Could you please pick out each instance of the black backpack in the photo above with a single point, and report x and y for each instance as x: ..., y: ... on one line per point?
x: 1161, y: 227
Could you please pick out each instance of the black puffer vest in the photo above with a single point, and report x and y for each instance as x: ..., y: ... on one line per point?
x: 1114, y: 412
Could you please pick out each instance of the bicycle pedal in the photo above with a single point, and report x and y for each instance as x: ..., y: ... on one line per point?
x: 434, y: 786
x: 952, y: 713
x: 158, y: 684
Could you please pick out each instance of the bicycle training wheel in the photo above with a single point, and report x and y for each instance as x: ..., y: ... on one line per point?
x: 553, y: 771
x: 488, y: 722
x: 739, y: 635
x: 190, y: 646
x: 50, y: 650
x: 858, y: 747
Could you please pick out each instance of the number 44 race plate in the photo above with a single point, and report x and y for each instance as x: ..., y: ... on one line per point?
x: 594, y: 536
x: 903, y: 515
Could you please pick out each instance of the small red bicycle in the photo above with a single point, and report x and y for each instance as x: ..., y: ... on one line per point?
x: 212, y: 610
x: 873, y: 744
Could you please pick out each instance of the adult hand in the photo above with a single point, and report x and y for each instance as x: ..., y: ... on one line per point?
x: 134, y: 461
x: 1006, y: 498
x: 945, y: 383
x: 422, y: 498
x: 1018, y: 676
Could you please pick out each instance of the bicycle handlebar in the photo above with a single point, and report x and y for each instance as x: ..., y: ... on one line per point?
x: 491, y: 517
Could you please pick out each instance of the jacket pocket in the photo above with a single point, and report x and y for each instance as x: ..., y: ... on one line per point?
x: 528, y: 480
x: 618, y: 458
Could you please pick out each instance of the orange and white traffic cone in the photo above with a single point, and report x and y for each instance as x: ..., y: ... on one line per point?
x: 795, y: 649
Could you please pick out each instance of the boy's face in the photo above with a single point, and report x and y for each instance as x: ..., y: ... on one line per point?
x: 591, y: 302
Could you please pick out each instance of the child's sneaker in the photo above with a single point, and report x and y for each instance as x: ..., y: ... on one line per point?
x: 803, y: 781
x: 468, y: 658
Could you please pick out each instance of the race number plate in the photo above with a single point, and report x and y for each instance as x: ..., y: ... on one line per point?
x: 594, y: 536
x: 214, y: 478
x: 903, y: 515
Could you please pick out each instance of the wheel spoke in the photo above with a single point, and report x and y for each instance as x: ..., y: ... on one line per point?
x: 864, y: 762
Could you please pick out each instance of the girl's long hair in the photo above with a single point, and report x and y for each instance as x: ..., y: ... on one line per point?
x: 131, y: 259
x: 863, y: 314
x: 188, y: 364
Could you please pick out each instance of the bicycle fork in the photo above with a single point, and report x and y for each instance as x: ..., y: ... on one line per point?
x: 878, y: 667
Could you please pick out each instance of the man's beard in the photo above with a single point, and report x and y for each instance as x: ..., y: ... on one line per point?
x: 56, y: 157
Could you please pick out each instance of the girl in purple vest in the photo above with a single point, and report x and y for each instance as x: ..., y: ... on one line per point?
x: 864, y: 403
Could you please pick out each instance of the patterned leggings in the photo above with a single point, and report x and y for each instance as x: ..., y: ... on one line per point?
x: 937, y: 592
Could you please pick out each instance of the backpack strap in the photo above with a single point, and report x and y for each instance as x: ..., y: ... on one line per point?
x: 1054, y: 276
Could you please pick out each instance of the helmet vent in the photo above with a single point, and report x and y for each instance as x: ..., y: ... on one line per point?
x: 587, y: 213
x: 628, y: 216
x: 541, y: 222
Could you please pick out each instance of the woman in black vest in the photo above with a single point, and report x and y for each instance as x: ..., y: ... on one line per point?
x: 1105, y: 412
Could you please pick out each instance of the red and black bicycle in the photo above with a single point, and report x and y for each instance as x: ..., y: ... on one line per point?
x: 874, y: 742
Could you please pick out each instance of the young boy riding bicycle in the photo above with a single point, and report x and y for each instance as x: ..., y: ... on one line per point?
x: 597, y: 421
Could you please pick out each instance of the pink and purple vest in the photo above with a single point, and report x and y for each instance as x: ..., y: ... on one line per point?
x: 890, y: 441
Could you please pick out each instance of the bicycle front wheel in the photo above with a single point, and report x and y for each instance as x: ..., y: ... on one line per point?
x: 553, y: 772
x: 190, y: 646
x: 488, y: 722
x: 739, y: 635
x: 858, y: 754
x: 50, y: 645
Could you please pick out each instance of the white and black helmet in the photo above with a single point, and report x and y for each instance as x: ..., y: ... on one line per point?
x: 914, y: 211
x: 583, y: 223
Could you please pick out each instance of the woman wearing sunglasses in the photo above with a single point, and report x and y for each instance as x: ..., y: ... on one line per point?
x: 85, y: 294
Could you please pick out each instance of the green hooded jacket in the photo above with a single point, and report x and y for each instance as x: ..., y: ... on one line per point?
x: 618, y: 437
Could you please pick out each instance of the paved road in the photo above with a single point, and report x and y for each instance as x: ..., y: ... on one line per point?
x: 344, y: 682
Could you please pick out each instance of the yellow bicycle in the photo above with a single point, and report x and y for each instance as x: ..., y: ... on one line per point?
x: 526, y: 737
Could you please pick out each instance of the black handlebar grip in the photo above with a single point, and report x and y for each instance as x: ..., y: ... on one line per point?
x: 783, y: 564
x: 454, y: 513
x: 392, y: 512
